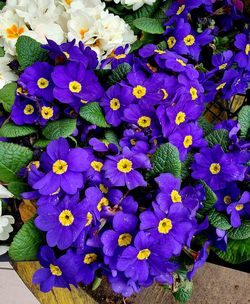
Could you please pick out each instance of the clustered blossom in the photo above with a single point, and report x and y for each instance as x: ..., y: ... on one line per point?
x: 61, y: 20
x: 104, y: 203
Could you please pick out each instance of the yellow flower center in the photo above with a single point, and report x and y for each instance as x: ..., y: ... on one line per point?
x: 55, y: 270
x: 227, y: 199
x: 223, y: 66
x: 66, y: 55
x: 68, y: 2
x: 60, y: 166
x: 42, y: 83
x: 221, y: 86
x: 247, y: 50
x: 160, y: 52
x: 82, y: 32
x: 115, y: 104
x: 103, y: 202
x: 239, y: 207
x: 103, y: 188
x: 171, y: 42
x: 180, y: 118
x: 90, y: 258
x: 180, y: 9
x: 188, y: 141
x: 189, y: 40
x: 181, y: 62
x: 176, y: 197
x: 124, y: 239
x: 214, y: 168
x: 165, y: 94
x: 125, y: 165
x: 152, y: 68
x: 29, y: 109
x: 120, y: 56
x: 20, y: 90
x: 133, y: 141
x: 139, y: 91
x: 144, y: 121
x: 193, y: 92
x: 66, y: 218
x: 165, y: 226
x: 89, y: 219
x: 96, y: 165
x: 143, y: 254
x: 47, y: 112
x: 35, y: 162
x: 14, y: 32
x: 75, y: 87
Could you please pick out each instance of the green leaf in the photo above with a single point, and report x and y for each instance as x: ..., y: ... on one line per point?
x: 162, y: 45
x: 59, y: 128
x: 184, y: 292
x: 97, y: 282
x: 205, y: 125
x: 219, y: 220
x: 165, y: 159
x: 2, y: 53
x: 29, y: 51
x: 240, y: 233
x: 238, y: 251
x: 210, y: 199
x: 111, y: 137
x: 12, y: 159
x: 17, y: 188
x: 149, y: 25
x: 185, y: 166
x: 7, y: 96
x: 11, y: 130
x: 218, y: 137
x: 160, y: 13
x: 136, y: 45
x: 42, y: 143
x: 119, y: 73
x: 92, y: 112
x: 2, y: 4
x: 26, y: 243
x: 244, y: 121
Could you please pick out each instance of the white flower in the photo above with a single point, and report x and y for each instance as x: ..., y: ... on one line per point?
x: 50, y: 30
x: 6, y: 76
x: 136, y: 4
x: 5, y: 193
x: 3, y: 249
x: 11, y: 28
x: 5, y: 225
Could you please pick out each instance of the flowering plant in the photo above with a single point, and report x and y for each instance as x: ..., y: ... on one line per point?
x: 110, y: 148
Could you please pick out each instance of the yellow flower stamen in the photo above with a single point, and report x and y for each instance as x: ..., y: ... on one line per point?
x: 193, y: 91
x: 180, y: 118
x: 89, y: 218
x: 42, y: 83
x: 47, y: 112
x: 144, y: 121
x: 227, y: 199
x: 29, y: 109
x: 189, y: 40
x: 188, y: 141
x: 176, y: 197
x: 115, y: 104
x: 171, y: 42
x: 60, y: 166
x: 165, y: 226
x: 143, y: 254
x: 90, y: 258
x: 103, y: 202
x: 181, y: 62
x: 66, y: 218
x: 125, y: 165
x: 14, y: 31
x: 239, y: 207
x: 75, y: 87
x: 139, y: 91
x: 55, y: 270
x: 124, y: 239
x: 96, y: 165
x: 180, y: 9
x: 214, y: 168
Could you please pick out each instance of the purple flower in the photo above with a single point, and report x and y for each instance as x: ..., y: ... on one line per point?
x: 192, y: 89
x: 173, y: 228
x: 87, y: 262
x: 115, y: 100
x: 186, y: 138
x: 143, y: 116
x: 47, y: 112
x: 200, y: 260
x: 135, y: 141
x: 63, y: 222
x: 103, y: 145
x: 217, y: 168
x: 118, y: 56
x: 171, y: 193
x: 24, y: 111
x: 63, y: 167
x: 240, y: 208
x: 144, y: 90
x: 55, y: 272
x: 222, y: 60
x: 121, y: 169
x: 176, y: 115
x: 143, y: 259
x: 36, y: 79
x: 122, y: 285
x: 226, y: 196
x: 75, y: 85
x: 242, y: 42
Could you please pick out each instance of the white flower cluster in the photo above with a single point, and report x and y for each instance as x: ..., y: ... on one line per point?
x: 136, y: 4
x: 62, y: 20
x: 6, y: 221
